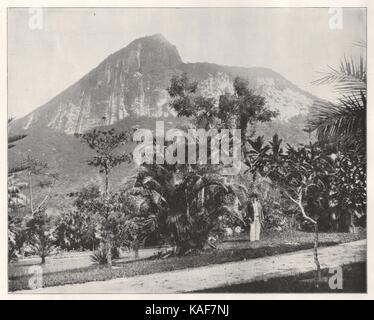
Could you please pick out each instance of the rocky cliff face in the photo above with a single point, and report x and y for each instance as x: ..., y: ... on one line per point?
x: 129, y: 88
x: 131, y: 83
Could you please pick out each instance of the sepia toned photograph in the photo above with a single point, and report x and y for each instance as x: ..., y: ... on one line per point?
x: 187, y: 150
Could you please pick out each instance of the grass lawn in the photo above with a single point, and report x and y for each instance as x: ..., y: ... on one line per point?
x: 354, y: 281
x: 234, y: 250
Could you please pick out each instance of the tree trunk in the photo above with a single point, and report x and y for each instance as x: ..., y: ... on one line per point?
x: 106, y: 182
x: 43, y: 259
x: 136, y: 251
x: 243, y: 133
x: 23, y: 251
x: 351, y: 222
x: 109, y: 252
x: 315, y: 253
x: 202, y: 197
x: 315, y: 248
x: 109, y: 263
x: 30, y: 190
x: 292, y: 224
x: 136, y: 247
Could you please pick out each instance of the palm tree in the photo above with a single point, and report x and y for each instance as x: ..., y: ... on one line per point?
x: 344, y: 121
x: 172, y: 195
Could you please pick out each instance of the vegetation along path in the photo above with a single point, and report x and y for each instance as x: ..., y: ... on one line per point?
x: 212, y: 276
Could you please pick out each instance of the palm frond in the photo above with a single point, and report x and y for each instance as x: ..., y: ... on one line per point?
x: 204, y: 183
x: 350, y: 78
x: 339, y: 121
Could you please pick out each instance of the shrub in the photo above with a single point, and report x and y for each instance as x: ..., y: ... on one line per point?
x: 101, y: 256
x: 76, y: 231
x: 16, y: 237
x: 41, y: 235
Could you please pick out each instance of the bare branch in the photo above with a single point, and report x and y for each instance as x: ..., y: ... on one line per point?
x: 300, y: 205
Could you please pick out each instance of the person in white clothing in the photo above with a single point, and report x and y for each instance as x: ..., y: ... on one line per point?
x: 255, y: 217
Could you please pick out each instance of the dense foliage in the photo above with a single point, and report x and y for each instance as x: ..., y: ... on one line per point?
x: 322, y: 184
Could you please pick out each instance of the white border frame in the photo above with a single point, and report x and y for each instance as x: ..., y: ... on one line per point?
x: 4, y: 4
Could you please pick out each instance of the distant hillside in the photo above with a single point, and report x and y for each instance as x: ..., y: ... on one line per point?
x: 132, y: 82
x: 128, y: 89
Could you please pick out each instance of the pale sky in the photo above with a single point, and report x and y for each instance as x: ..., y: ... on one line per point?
x: 297, y: 43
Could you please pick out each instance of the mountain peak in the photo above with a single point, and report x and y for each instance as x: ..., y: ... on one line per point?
x: 132, y: 82
x: 154, y: 49
x: 156, y: 37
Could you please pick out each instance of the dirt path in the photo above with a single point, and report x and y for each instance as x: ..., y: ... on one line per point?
x: 188, y: 280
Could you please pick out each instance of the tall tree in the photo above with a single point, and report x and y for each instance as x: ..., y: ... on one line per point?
x: 187, y: 101
x: 303, y: 174
x: 41, y: 235
x: 38, y: 175
x: 240, y: 109
x: 244, y: 108
x: 106, y: 145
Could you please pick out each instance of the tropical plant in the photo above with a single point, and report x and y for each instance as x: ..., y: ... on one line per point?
x: 105, y: 207
x: 254, y: 158
x: 173, y: 194
x: 105, y: 218
x: 101, y: 209
x: 101, y: 255
x: 349, y: 188
x: 263, y: 159
x: 135, y: 230
x: 304, y: 175
x: 344, y: 125
x: 276, y: 149
x: 344, y: 121
x: 189, y: 213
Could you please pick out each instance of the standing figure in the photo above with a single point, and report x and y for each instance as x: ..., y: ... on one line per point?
x: 255, y: 217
